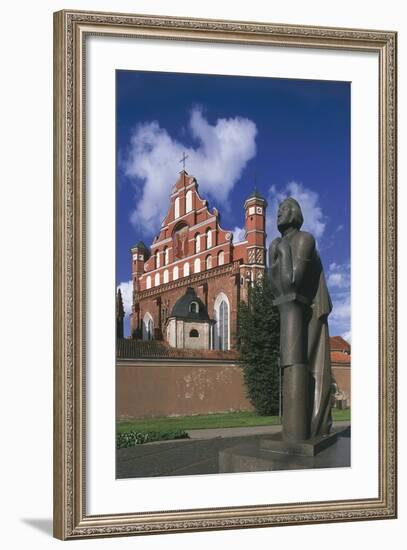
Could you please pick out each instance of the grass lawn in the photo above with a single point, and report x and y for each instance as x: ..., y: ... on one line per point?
x: 221, y: 420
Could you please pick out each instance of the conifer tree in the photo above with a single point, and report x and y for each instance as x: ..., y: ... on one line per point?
x: 259, y: 345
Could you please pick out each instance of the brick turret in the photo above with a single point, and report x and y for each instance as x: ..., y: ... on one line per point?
x: 139, y: 255
x: 255, y: 224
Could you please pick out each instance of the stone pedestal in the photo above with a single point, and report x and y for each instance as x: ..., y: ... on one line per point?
x: 249, y: 455
x: 309, y: 447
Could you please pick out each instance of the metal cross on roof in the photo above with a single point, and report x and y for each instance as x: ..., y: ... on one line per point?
x: 184, y: 157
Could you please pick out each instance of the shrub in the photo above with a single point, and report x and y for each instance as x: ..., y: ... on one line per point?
x: 130, y: 439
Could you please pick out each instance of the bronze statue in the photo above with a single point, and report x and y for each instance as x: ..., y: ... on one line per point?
x: 302, y: 297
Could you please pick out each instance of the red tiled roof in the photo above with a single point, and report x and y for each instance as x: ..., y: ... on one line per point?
x: 340, y: 357
x: 337, y: 343
x: 154, y: 349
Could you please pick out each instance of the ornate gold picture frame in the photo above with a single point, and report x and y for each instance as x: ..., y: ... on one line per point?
x: 72, y: 518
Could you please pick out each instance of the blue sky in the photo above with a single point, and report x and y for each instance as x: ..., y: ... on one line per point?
x: 286, y: 137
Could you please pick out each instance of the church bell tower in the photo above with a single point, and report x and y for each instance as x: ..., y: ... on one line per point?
x: 255, y: 224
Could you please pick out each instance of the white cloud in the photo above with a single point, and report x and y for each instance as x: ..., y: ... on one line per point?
x: 341, y: 310
x: 222, y: 152
x: 238, y: 234
x: 338, y: 276
x: 347, y: 336
x: 314, y: 219
x: 338, y: 281
x: 126, y: 288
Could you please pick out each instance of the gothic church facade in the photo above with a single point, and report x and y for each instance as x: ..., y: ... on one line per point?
x: 187, y: 285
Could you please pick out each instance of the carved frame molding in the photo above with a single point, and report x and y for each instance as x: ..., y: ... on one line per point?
x: 70, y: 31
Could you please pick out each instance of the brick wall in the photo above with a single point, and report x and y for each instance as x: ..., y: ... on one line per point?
x: 342, y: 374
x: 161, y: 388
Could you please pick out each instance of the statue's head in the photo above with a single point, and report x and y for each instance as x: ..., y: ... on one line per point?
x: 289, y: 215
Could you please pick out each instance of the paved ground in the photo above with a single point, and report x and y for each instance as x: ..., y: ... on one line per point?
x: 224, y: 450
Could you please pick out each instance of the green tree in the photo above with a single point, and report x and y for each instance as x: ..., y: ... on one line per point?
x: 259, y: 345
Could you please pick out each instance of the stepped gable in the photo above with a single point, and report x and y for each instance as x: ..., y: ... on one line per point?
x: 192, y: 250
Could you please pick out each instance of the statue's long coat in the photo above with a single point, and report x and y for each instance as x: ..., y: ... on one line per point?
x: 310, y: 316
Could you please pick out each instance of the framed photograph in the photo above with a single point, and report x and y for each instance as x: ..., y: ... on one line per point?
x: 225, y: 274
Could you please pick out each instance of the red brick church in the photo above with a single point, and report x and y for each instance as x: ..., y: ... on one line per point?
x: 186, y: 289
x: 188, y: 283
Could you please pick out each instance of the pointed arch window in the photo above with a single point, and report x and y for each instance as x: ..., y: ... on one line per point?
x: 221, y: 258
x: 222, y: 326
x: 175, y: 273
x: 157, y: 259
x: 148, y: 327
x: 208, y: 238
x: 166, y: 276
x: 208, y: 262
x: 186, y: 270
x: 197, y: 243
x: 197, y: 265
x: 157, y: 279
x: 148, y: 282
x: 166, y: 255
x: 176, y: 207
x: 188, y: 205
